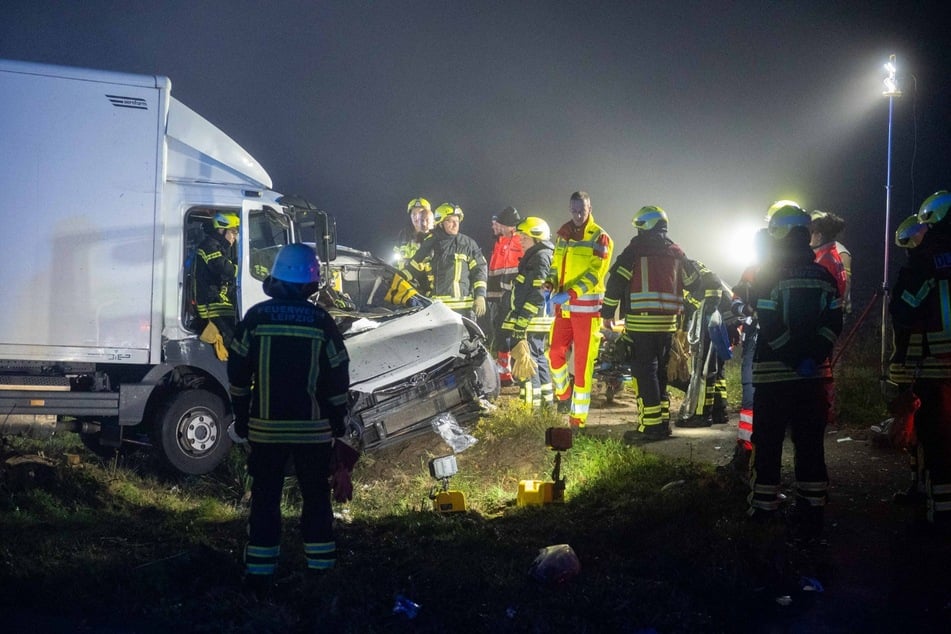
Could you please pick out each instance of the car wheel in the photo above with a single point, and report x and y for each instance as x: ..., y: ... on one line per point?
x: 191, y: 431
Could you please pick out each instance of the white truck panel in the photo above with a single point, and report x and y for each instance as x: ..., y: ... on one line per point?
x: 84, y: 176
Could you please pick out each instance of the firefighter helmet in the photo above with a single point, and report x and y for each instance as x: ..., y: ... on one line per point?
x: 779, y: 204
x: 445, y: 210
x: 226, y: 221
x: 935, y: 208
x: 534, y: 227
x: 910, y: 232
x: 649, y: 217
x: 785, y: 218
x: 296, y: 263
x: 417, y: 203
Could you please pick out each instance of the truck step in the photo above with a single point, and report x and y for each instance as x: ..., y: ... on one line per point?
x: 45, y: 383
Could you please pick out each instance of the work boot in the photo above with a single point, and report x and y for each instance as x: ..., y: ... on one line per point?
x: 720, y: 416
x: 696, y: 421
x: 651, y: 433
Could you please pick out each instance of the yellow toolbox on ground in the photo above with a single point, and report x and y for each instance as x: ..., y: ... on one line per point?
x: 449, y: 502
x: 536, y: 492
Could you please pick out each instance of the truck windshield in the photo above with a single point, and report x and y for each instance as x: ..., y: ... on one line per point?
x: 268, y: 231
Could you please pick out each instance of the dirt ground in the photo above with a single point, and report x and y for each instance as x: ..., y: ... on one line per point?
x: 881, y: 567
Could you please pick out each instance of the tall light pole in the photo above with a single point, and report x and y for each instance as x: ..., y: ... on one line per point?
x: 891, y: 91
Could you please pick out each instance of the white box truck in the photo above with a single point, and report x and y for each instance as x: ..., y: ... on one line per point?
x: 108, y: 185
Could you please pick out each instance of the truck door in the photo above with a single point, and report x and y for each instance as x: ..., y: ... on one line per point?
x: 265, y: 231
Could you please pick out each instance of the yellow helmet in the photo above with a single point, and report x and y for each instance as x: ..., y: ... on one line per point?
x: 418, y: 202
x: 910, y: 232
x: 786, y: 217
x: 226, y: 221
x: 649, y: 217
x: 445, y: 210
x: 534, y: 227
x: 935, y: 208
x: 779, y: 204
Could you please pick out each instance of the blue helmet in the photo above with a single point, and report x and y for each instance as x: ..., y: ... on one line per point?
x: 296, y: 263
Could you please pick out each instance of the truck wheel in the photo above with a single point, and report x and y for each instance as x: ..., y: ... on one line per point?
x: 191, y: 431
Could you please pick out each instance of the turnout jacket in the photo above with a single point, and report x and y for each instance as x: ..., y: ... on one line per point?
x: 580, y: 264
x: 799, y: 311
x: 457, y: 267
x: 921, y: 311
x: 647, y: 284
x: 526, y: 301
x: 214, y: 277
x: 289, y: 374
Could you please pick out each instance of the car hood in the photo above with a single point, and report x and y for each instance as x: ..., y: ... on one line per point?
x: 402, y: 346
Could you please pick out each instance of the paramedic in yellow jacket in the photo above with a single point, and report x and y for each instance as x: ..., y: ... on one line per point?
x: 576, y: 281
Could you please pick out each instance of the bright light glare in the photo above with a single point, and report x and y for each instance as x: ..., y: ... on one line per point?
x: 891, y: 84
x: 740, y: 245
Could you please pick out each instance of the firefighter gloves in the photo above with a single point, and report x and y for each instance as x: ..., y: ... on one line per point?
x: 478, y: 306
x: 523, y: 366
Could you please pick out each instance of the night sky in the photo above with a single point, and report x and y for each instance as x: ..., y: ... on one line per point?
x: 711, y: 110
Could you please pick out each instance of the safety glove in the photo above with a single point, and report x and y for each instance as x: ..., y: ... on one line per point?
x: 478, y: 306
x: 523, y: 366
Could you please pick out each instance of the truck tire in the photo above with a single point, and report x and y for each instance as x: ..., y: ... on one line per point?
x: 191, y: 431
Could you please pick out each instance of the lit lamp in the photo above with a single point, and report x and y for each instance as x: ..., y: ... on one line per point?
x: 891, y: 91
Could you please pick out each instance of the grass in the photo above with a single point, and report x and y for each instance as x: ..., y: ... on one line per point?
x: 662, y: 543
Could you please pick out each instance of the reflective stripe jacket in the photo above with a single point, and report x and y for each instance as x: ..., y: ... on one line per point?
x: 703, y: 289
x: 289, y: 373
x: 579, y: 265
x: 526, y: 305
x: 921, y: 312
x: 647, y: 283
x: 503, y: 265
x: 457, y: 267
x: 828, y: 256
x: 407, y: 245
x: 215, y: 274
x: 799, y: 311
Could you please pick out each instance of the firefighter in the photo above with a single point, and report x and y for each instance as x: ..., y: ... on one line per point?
x: 579, y: 265
x: 919, y: 307
x: 289, y: 375
x: 215, y: 274
x: 708, y: 307
x: 527, y: 321
x: 742, y: 307
x: 800, y: 315
x: 908, y: 235
x: 646, y: 284
x: 449, y: 266
x: 421, y: 223
x: 503, y: 267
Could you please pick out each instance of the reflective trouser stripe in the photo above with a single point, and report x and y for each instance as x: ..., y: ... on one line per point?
x: 744, y: 430
x: 548, y: 393
x: 650, y: 415
x: 763, y: 496
x: 665, y: 409
x: 261, y: 560
x: 815, y: 493
x: 939, y: 501
x: 320, y: 555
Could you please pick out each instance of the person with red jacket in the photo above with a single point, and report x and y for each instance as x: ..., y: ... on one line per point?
x: 503, y: 267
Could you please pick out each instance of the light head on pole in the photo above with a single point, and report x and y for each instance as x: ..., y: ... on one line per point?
x: 891, y: 84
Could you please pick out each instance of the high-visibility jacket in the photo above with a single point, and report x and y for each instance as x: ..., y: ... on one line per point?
x: 921, y: 313
x: 647, y: 283
x: 408, y: 244
x: 457, y: 267
x: 526, y: 305
x: 214, y: 278
x: 828, y: 256
x: 503, y: 265
x: 580, y: 264
x: 800, y: 315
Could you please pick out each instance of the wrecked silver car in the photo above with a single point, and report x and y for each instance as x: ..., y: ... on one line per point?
x: 407, y: 365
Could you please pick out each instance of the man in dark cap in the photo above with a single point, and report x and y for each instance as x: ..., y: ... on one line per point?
x: 503, y: 267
